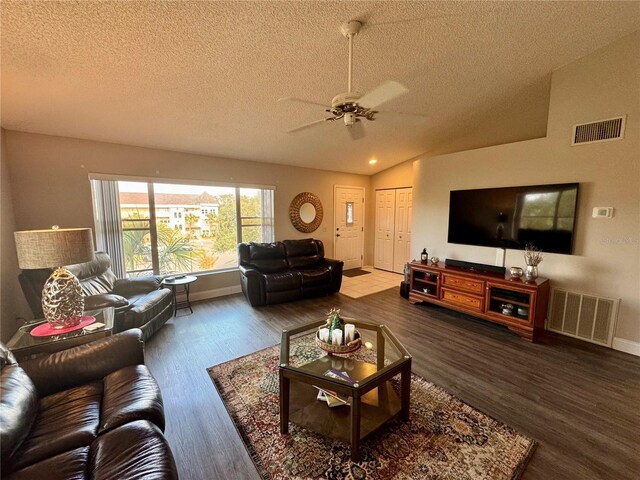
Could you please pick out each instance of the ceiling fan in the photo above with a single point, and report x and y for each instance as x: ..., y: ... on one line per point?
x: 351, y: 106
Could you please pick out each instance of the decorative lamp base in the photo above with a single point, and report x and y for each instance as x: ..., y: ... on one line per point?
x: 62, y: 299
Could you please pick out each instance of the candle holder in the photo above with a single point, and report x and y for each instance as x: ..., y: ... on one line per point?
x: 353, y: 346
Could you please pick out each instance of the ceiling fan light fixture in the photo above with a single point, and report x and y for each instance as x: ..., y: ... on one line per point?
x: 351, y: 106
x: 373, y: 161
x: 350, y: 118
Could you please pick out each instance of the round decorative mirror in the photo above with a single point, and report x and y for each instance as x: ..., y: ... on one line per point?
x: 305, y: 212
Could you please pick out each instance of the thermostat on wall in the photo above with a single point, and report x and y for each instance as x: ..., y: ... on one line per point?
x: 603, y: 212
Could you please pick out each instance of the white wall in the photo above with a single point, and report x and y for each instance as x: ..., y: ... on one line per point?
x: 606, y: 259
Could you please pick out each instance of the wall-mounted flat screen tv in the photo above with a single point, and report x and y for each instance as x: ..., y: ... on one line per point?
x: 512, y: 217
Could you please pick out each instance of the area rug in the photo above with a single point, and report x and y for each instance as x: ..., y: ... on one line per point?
x: 355, y: 272
x: 444, y: 438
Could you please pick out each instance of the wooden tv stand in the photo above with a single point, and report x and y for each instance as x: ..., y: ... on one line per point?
x: 482, y: 295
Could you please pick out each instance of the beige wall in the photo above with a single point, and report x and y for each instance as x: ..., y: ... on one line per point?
x: 49, y: 179
x: 606, y: 260
x: 395, y: 177
x: 13, y: 306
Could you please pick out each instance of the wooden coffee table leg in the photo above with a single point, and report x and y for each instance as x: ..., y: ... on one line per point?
x: 355, y: 427
x: 284, y: 403
x: 405, y: 391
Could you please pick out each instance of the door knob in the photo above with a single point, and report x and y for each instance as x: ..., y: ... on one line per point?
x: 337, y: 234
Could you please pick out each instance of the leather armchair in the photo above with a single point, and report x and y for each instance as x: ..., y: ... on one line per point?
x: 92, y: 411
x: 285, y: 271
x: 138, y: 302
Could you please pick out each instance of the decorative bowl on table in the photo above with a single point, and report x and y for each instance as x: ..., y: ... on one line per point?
x: 507, y: 309
x: 516, y: 272
x: 350, y: 347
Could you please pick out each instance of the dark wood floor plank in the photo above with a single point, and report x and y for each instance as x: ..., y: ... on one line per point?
x: 579, y: 401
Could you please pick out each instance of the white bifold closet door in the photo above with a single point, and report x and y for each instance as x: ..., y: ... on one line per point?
x: 393, y: 229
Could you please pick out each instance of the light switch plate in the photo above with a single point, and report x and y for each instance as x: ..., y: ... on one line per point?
x: 602, y: 212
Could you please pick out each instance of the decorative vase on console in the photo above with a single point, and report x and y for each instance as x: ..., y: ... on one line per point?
x: 531, y: 273
x: 532, y: 257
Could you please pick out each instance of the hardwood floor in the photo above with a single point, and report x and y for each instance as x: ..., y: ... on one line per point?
x: 580, y: 402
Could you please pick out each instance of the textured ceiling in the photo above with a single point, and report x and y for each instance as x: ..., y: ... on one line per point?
x: 205, y: 77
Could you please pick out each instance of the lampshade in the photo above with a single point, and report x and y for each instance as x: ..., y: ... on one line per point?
x: 53, y: 248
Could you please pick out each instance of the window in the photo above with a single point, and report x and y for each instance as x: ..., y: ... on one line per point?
x: 157, y: 238
x: 349, y: 215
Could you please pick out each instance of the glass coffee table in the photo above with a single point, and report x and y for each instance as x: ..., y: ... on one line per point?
x: 372, y: 399
x: 24, y: 346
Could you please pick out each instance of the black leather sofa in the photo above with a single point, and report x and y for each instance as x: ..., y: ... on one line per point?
x: 138, y: 302
x: 289, y: 270
x: 89, y: 412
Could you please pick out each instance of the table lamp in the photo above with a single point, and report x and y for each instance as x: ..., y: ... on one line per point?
x: 62, y: 299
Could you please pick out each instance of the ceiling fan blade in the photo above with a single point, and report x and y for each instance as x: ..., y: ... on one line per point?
x: 357, y: 130
x: 407, y: 114
x: 300, y: 100
x: 382, y: 93
x: 311, y: 124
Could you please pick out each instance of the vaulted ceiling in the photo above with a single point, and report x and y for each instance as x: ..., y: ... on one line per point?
x: 205, y: 77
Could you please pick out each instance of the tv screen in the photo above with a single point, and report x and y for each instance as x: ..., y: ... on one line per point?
x: 512, y: 217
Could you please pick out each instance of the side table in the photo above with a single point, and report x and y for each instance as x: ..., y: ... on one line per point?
x: 183, y: 282
x: 25, y: 346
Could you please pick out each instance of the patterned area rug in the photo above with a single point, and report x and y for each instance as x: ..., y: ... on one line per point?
x: 444, y: 439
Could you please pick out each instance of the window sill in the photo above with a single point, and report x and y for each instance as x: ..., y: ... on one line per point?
x: 213, y: 272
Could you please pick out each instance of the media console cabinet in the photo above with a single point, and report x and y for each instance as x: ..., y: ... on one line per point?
x: 483, y: 295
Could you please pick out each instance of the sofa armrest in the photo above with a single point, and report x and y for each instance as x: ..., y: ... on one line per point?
x: 249, y: 271
x: 335, y: 265
x: 336, y: 272
x: 252, y: 283
x: 128, y: 287
x: 85, y: 363
x: 104, y: 300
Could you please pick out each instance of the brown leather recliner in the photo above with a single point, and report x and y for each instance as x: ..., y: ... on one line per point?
x: 93, y: 411
x: 285, y: 271
x: 139, y: 302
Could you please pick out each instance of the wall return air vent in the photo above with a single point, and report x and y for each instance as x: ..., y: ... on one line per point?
x: 587, y: 317
x: 600, y: 131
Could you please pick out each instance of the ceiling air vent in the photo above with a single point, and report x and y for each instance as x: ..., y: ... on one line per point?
x: 601, y: 131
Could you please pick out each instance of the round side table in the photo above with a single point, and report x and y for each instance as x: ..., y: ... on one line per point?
x: 183, y: 283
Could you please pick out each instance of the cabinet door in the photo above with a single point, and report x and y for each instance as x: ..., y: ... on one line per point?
x: 402, y: 229
x: 510, y: 305
x: 385, y: 217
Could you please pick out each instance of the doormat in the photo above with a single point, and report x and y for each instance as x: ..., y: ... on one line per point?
x: 444, y: 439
x: 356, y: 272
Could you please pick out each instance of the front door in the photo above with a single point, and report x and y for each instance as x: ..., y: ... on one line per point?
x: 349, y: 226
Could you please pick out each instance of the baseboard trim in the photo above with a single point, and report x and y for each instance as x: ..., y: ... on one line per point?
x: 216, y: 292
x: 626, y: 346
